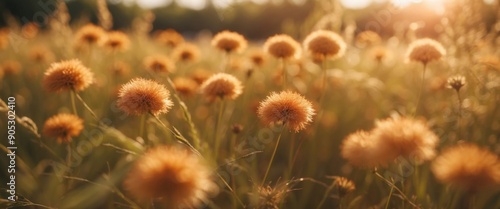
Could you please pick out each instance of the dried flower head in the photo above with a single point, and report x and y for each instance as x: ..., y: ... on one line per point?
x: 41, y: 54
x: 221, y: 85
x: 229, y: 41
x: 258, y: 58
x: 367, y: 38
x: 67, y: 75
x: 288, y: 108
x: 344, y: 185
x: 359, y: 150
x: 120, y: 68
x: 4, y: 38
x: 200, y: 75
x: 117, y: 41
x: 11, y: 67
x: 185, y: 86
x: 379, y: 53
x: 403, y: 137
x: 172, y: 176
x: 141, y: 96
x: 186, y: 52
x: 456, y: 82
x: 425, y: 50
x: 63, y: 127
x: 89, y: 35
x: 30, y: 30
x: 236, y: 128
x: 267, y: 197
x: 169, y: 37
x: 468, y: 166
x: 323, y: 44
x: 282, y: 46
x: 159, y: 64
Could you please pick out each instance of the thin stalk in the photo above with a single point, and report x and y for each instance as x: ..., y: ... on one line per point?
x: 272, y: 157
x: 285, y: 77
x: 421, y: 89
x: 217, y: 127
x: 401, y: 193
x: 68, y: 155
x: 389, y: 198
x: 325, y: 196
x: 142, y: 126
x: 73, y: 103
x: 86, y: 106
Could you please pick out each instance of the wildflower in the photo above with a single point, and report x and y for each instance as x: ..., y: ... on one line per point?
x: 221, y: 85
x: 405, y: 137
x: 30, y: 30
x: 267, y: 197
x: 379, y: 53
x: 467, y: 166
x: 323, y: 44
x: 4, y: 38
x: 344, y: 185
x: 142, y: 96
x: 89, y: 35
x: 186, y: 52
x: 282, y: 46
x: 229, y: 41
x: 63, y: 127
x: 120, y: 68
x: 258, y: 58
x: 171, y: 176
x: 236, y: 128
x: 159, y: 64
x: 170, y: 38
x: 185, y: 86
x: 41, y: 54
x: 200, y: 75
x: 288, y: 108
x: 359, y: 150
x: 117, y: 41
x: 425, y: 50
x: 11, y: 67
x: 67, y: 75
x: 456, y: 82
x: 367, y: 38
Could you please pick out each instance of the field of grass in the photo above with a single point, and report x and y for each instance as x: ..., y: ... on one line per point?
x: 216, y: 147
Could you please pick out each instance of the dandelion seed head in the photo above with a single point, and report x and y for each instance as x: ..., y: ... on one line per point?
x: 344, y: 185
x: 186, y: 52
x: 425, y: 50
x: 367, y: 38
x: 63, y: 127
x: 117, y: 41
x: 221, y: 85
x: 456, y: 82
x: 323, y: 44
x: 159, y: 64
x: 141, y: 96
x: 89, y: 35
x: 169, y: 37
x: 359, y: 150
x: 171, y: 176
x: 282, y: 46
x: 10, y: 67
x: 67, y: 75
x: 229, y: 41
x: 288, y: 108
x: 185, y: 86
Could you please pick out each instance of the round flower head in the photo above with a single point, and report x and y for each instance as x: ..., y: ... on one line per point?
x: 379, y: 53
x: 258, y: 58
x: 89, y: 35
x: 10, y: 67
x: 221, y: 85
x: 344, y: 185
x: 120, y: 68
x: 117, y: 41
x: 403, y: 137
x: 468, y: 166
x: 41, y: 54
x: 172, y: 176
x: 170, y: 38
x: 186, y: 52
x: 141, y: 96
x: 67, y: 75
x: 425, y: 50
x: 229, y: 41
x: 323, y: 44
x: 288, y: 108
x: 63, y: 127
x: 359, y: 150
x: 159, y: 64
x: 282, y: 46
x: 185, y: 86
x: 4, y: 38
x: 456, y: 82
x: 367, y: 38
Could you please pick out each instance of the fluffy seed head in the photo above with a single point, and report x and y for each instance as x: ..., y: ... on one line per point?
x: 403, y: 137
x: 200, y: 75
x: 425, y: 50
x: 359, y: 150
x: 141, y: 96
x: 344, y: 185
x: 379, y: 53
x: 282, y: 46
x: 172, y: 176
x: 120, y: 68
x: 229, y: 41
x: 323, y: 44
x: 185, y: 86
x: 468, y: 166
x: 367, y: 38
x: 288, y: 108
x: 267, y: 197
x: 89, y: 35
x: 41, y: 54
x: 186, y: 52
x: 258, y: 58
x: 169, y: 37
x: 117, y: 41
x: 221, y: 85
x: 63, y: 127
x: 10, y: 67
x: 67, y: 75
x: 159, y: 64
x: 456, y: 82
x: 4, y: 38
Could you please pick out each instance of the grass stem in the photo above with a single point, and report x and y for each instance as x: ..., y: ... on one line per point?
x: 272, y: 156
